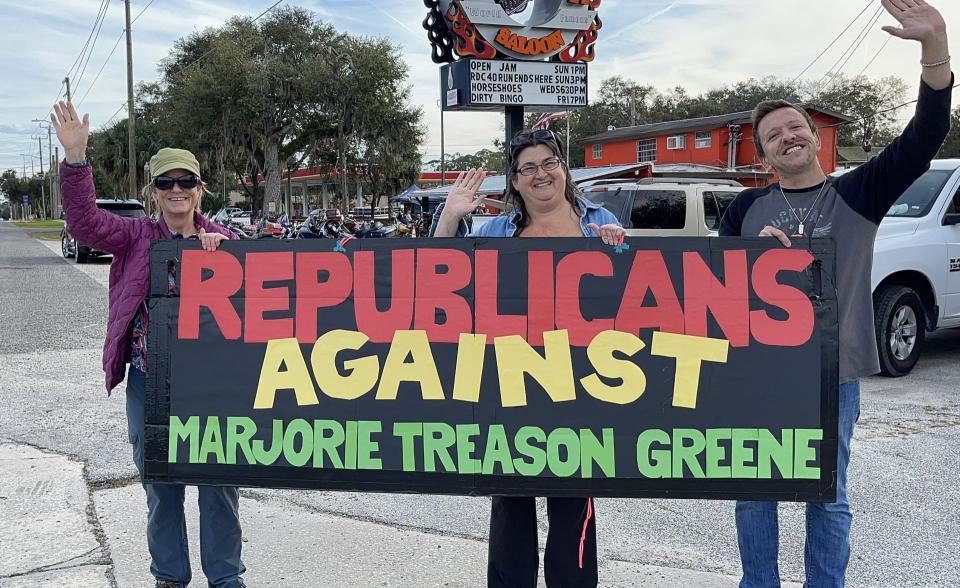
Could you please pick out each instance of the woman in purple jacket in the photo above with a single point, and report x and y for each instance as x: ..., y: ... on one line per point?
x: 176, y: 188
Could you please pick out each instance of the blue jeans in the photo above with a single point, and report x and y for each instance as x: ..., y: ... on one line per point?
x: 220, y: 538
x: 827, y: 548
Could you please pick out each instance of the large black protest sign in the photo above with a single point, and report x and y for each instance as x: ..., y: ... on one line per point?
x: 668, y: 367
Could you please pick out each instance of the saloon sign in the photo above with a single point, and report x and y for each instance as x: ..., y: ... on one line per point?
x: 528, y: 30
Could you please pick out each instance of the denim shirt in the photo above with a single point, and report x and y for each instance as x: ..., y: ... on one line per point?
x: 505, y: 225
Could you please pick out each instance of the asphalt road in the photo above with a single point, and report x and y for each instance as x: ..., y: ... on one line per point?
x: 904, y: 478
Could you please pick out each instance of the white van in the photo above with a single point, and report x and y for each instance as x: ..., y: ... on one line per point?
x: 665, y: 207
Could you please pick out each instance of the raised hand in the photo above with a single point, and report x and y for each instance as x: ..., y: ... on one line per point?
x: 918, y: 20
x: 72, y: 132
x: 463, y: 198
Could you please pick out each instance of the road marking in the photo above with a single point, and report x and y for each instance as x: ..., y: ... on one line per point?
x: 97, y: 270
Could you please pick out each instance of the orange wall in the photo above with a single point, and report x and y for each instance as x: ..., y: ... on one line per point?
x: 614, y: 153
x: 625, y: 152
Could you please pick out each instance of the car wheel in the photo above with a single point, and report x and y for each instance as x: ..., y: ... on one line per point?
x: 900, y: 324
x: 65, y: 246
x: 83, y: 254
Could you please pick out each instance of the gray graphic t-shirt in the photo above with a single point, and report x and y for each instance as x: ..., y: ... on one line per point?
x: 849, y: 211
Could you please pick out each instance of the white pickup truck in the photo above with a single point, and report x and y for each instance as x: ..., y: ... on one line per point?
x: 916, y: 262
x: 916, y: 267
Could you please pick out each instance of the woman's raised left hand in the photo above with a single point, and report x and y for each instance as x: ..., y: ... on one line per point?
x: 610, y: 234
x: 210, y: 241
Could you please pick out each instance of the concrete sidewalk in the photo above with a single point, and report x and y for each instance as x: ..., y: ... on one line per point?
x: 55, y: 532
x: 48, y: 533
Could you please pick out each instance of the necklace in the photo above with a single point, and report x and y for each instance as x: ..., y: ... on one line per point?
x: 801, y: 222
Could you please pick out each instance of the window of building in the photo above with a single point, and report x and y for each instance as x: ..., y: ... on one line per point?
x: 677, y: 142
x: 714, y: 205
x: 659, y: 209
x: 646, y: 150
x: 598, y: 151
x: 703, y: 139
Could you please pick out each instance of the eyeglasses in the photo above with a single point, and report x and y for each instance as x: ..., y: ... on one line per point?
x: 528, y: 169
x: 187, y: 182
x: 523, y: 139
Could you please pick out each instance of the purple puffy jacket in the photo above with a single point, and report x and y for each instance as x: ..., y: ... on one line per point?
x: 128, y: 240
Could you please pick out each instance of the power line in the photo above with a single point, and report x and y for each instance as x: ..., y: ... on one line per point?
x: 833, y: 42
x: 884, y: 111
x: 144, y: 9
x: 63, y: 84
x: 107, y: 60
x: 101, y: 12
x: 103, y: 17
x: 110, y: 120
x: 875, y: 55
x: 83, y: 50
x: 275, y: 4
x: 212, y: 49
x: 112, y: 51
x: 848, y: 54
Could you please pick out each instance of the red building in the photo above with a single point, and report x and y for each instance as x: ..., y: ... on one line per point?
x: 709, y: 147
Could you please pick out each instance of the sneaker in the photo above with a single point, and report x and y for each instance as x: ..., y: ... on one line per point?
x: 169, y: 584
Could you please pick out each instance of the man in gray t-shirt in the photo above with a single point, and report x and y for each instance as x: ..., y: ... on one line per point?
x: 849, y: 208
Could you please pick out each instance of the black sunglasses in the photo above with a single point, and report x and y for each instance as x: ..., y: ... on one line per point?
x: 524, y: 139
x: 187, y: 182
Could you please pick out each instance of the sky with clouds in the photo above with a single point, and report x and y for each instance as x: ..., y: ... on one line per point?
x: 697, y: 44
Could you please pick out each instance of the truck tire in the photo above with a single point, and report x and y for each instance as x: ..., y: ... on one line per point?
x: 900, y: 325
x: 83, y: 254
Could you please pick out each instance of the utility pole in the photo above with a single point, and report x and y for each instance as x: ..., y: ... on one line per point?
x: 66, y: 81
x: 131, y: 137
x: 57, y: 200
x: 43, y: 195
x: 50, y: 154
x: 33, y: 170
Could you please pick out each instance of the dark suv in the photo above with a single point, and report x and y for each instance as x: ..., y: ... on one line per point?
x: 72, y: 248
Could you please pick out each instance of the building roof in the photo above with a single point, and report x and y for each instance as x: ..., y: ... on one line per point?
x: 694, y: 170
x: 705, y: 123
x: 854, y: 154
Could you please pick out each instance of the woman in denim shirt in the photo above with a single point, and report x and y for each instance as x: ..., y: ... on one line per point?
x: 545, y: 204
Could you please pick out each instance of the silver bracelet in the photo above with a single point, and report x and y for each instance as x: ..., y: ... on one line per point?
x: 937, y: 63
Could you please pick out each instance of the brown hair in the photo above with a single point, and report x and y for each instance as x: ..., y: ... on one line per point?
x: 524, y: 140
x: 768, y: 106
